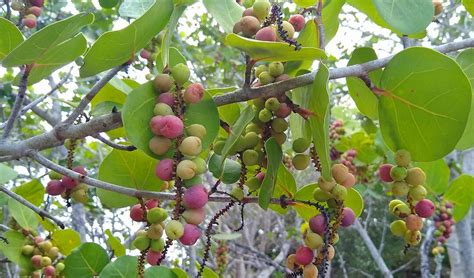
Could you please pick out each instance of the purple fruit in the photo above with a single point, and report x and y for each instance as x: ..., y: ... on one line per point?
x: 191, y: 234
x: 55, y: 187
x: 304, y: 255
x: 425, y: 208
x: 348, y: 217
x: 168, y: 126
x: 164, y: 169
x: 384, y: 172
x: 318, y: 224
x: 166, y: 98
x: 195, y: 197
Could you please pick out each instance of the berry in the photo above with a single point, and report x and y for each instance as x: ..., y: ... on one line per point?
x: 290, y: 262
x: 157, y: 245
x: 301, y: 161
x: 400, y: 188
x: 53, y: 252
x: 53, y: 175
x: 45, y: 261
x: 384, y: 172
x: 313, y: 240
x: 418, y: 192
x: 398, y: 228
x: 55, y: 187
x: 249, y: 26
x: 237, y: 27
x: 163, y: 83
x: 349, y: 181
x: 261, y: 8
x: 265, y: 115
x: 186, y: 169
x: 68, y: 182
x: 166, y: 98
x: 27, y: 250
x: 258, y: 102
x: 194, y: 93
x: 60, y: 267
x: 168, y: 126
x: 412, y: 237
x: 37, y: 3
x: 248, y: 12
x: 276, y: 69
x: 201, y: 165
x: 402, y: 158
x: 80, y: 196
x: 321, y: 195
x: 348, y: 217
x: 318, y: 224
x: 253, y: 183
x: 326, y: 185
x: 310, y: 271
x: 438, y: 7
x: 279, y: 125
x: 339, y: 192
x: 196, y: 130
x: 180, y: 73
x: 34, y: 10
x: 136, y: 213
x: 191, y: 234
x: 16, y: 5
x: 290, y: 30
x: 145, y: 54
x: 297, y: 21
x: 414, y: 223
x: 194, y: 216
x: 156, y: 215
x: 174, y: 229
x: 162, y: 109
x: 304, y: 255
x: 36, y: 261
x: 425, y: 208
x: 250, y: 157
x: 394, y: 203
x: 164, y: 169
x: 283, y: 111
x: 265, y: 78
x: 251, y: 139
x: 195, y: 197
x: 415, y: 176
x: 49, y: 271
x: 300, y: 145
x: 398, y: 173
x: 80, y: 170
x: 153, y: 257
x: 272, y: 104
x: 191, y: 146
x: 280, y: 138
x: 266, y: 34
x: 339, y: 173
x: 155, y: 231
x: 159, y: 145
x: 401, y: 210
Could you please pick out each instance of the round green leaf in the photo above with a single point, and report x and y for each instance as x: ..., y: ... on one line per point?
x: 274, y: 156
x: 437, y: 175
x: 6, y: 173
x: 11, y: 37
x: 125, y: 267
x: 228, y: 171
x: 115, y: 244
x: 175, y: 57
x: 66, y: 240
x: 465, y: 59
x: 354, y: 201
x: 12, y: 248
x: 406, y: 16
x: 425, y: 103
x: 461, y: 194
x: 305, y: 194
x: 87, y: 260
x: 33, y: 191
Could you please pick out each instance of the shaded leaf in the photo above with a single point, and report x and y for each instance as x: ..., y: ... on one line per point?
x: 465, y: 60
x: 125, y: 267
x: 66, y: 240
x: 225, y: 12
x: 12, y: 249
x: 237, y: 129
x: 406, y: 16
x: 11, y: 37
x: 274, y: 156
x: 437, y: 175
x: 6, y: 173
x: 461, y: 194
x: 33, y: 191
x: 228, y: 171
x: 87, y: 260
x: 24, y: 216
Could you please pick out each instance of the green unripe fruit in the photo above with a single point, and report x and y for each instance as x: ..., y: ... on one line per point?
x: 321, y: 195
x: 239, y: 146
x: 336, y: 239
x: 339, y: 192
x: 159, y: 145
x: 326, y: 185
x: 279, y: 125
x: 259, y: 103
x: 53, y: 252
x: 301, y: 161
x: 55, y: 175
x: 276, y: 69
x: 401, y: 210
x: 251, y: 139
x: 300, y: 145
x: 280, y: 138
x: 80, y: 196
x: 265, y: 115
x: 196, y: 130
x: 186, y: 169
x: 140, y: 233
x: 200, y: 164
x: 250, y: 157
x: 332, y: 203
x: 412, y: 237
x: 218, y: 147
x: 313, y: 240
x: 162, y: 109
x: 45, y: 261
x: 190, y: 146
x: 60, y: 267
x: 265, y: 78
x: 174, y: 229
x: 45, y: 245
x: 393, y: 204
x: 141, y: 242
x: 253, y: 183
x: 162, y: 83
x: 237, y: 193
x: 253, y: 128
x: 398, y: 228
x: 155, y: 231
x: 272, y: 104
x: 402, y: 158
x: 398, y: 173
x: 418, y: 192
x: 156, y: 215
x: 261, y: 8
x: 180, y: 73
x: 415, y: 176
x: 157, y: 245
x: 400, y: 188
x: 27, y: 250
x: 290, y: 30
x: 260, y: 69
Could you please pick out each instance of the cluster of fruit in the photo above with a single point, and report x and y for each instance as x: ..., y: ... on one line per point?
x: 31, y: 9
x: 44, y: 256
x: 68, y: 187
x: 301, y: 160
x: 253, y: 24
x: 347, y: 159
x: 407, y: 181
x: 444, y: 224
x: 267, y: 74
x: 335, y: 189
x: 336, y: 130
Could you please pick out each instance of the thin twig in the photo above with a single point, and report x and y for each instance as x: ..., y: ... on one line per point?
x: 18, y: 102
x: 115, y: 145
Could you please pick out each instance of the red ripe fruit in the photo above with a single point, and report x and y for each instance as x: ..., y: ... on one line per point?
x: 384, y: 172
x: 152, y: 257
x: 49, y: 271
x: 168, y: 126
x: 145, y: 54
x: 304, y: 255
x: 152, y: 203
x: 37, y: 3
x: 80, y: 170
x: 29, y: 21
x: 34, y: 10
x: 136, y: 213
x: 348, y: 217
x: 318, y: 224
x: 195, y: 197
x: 55, y: 187
x: 266, y: 34
x: 36, y: 261
x: 194, y: 93
x: 297, y: 21
x: 425, y: 208
x: 191, y: 234
x: 260, y: 176
x: 283, y: 111
x: 166, y: 98
x: 164, y: 169
x: 68, y: 182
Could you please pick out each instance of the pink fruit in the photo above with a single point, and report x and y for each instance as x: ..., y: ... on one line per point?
x: 283, y: 111
x: 348, y: 217
x: 266, y: 34
x: 69, y: 183
x: 164, y: 169
x: 145, y: 54
x: 152, y: 257
x: 425, y: 208
x: 304, y: 255
x: 349, y: 181
x: 168, y: 126
x: 29, y: 21
x: 34, y: 10
x: 194, y: 216
x: 136, y: 213
x: 248, y: 12
x: 384, y: 172
x: 55, y: 187
x: 318, y: 224
x: 191, y: 234
x: 297, y: 21
x: 193, y: 93
x: 49, y: 271
x: 38, y: 240
x: 36, y: 261
x: 195, y: 197
x: 260, y: 176
x: 167, y: 98
x: 152, y: 203
x: 37, y: 3
x: 282, y: 77
x: 80, y: 170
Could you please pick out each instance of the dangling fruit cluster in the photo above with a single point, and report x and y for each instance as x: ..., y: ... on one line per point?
x: 336, y: 130
x: 347, y: 159
x: 68, y: 187
x: 335, y: 189
x: 444, y: 224
x: 44, y: 258
x: 31, y: 11
x: 407, y: 182
x: 271, y: 73
x: 301, y: 160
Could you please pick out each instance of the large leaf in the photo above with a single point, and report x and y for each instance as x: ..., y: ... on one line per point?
x: 319, y: 121
x: 364, y: 98
x: 115, y: 244
x: 285, y: 185
x: 274, y: 156
x: 170, y: 30
x: 461, y: 194
x: 24, y: 216
x: 273, y: 51
x: 225, y: 12
x: 159, y: 271
x: 87, y: 260
x: 175, y: 57
x: 33, y: 191
x: 469, y: 5
x: 11, y: 37
x: 308, y: 37
x: 417, y: 84
x: 465, y: 59
x: 354, y: 201
x: 305, y: 193
x: 406, y: 16
x: 437, y: 175
x: 6, y: 173
x: 66, y: 240
x: 131, y: 39
x: 128, y: 169
x: 125, y: 267
x: 245, y: 118
x: 138, y: 110
x: 12, y: 248
x: 330, y: 14
x: 134, y: 8
x: 228, y: 171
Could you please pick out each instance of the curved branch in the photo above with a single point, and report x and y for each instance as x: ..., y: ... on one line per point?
x: 114, y: 145
x: 15, y: 113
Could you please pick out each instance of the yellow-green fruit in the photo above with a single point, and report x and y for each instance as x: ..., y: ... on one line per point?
x: 237, y: 193
x: 218, y: 147
x: 55, y: 175
x: 196, y: 130
x: 310, y: 271
x: 156, y: 215
x: 301, y: 161
x: 279, y: 125
x: 174, y: 229
x: 280, y: 138
x: 418, y: 192
x: 251, y: 139
x: 400, y: 188
x: 27, y: 250
x: 250, y: 157
x: 162, y: 109
x: 60, y: 267
x: 45, y: 245
x: 313, y: 240
x: 336, y: 239
x: 265, y: 78
x: 141, y: 242
x: 53, y: 252
x: 415, y: 176
x: 186, y: 169
x: 394, y: 203
x: 300, y: 145
x: 80, y: 196
x: 321, y: 195
x: 398, y: 173
x: 180, y: 73
x: 398, y: 228
x: 45, y: 261
x: 159, y: 145
x: 272, y: 104
x: 253, y: 128
x: 290, y: 30
x: 157, y: 245
x: 265, y: 115
x: 332, y: 203
x: 259, y: 69
x: 339, y: 173
x: 259, y: 102
x: 155, y: 231
x: 326, y: 185
x: 261, y: 8
x: 201, y: 165
x: 339, y: 192
x: 412, y: 237
x: 401, y: 210
x: 402, y: 158
x: 253, y: 183
x: 276, y: 69
x: 191, y: 146
x: 163, y: 83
